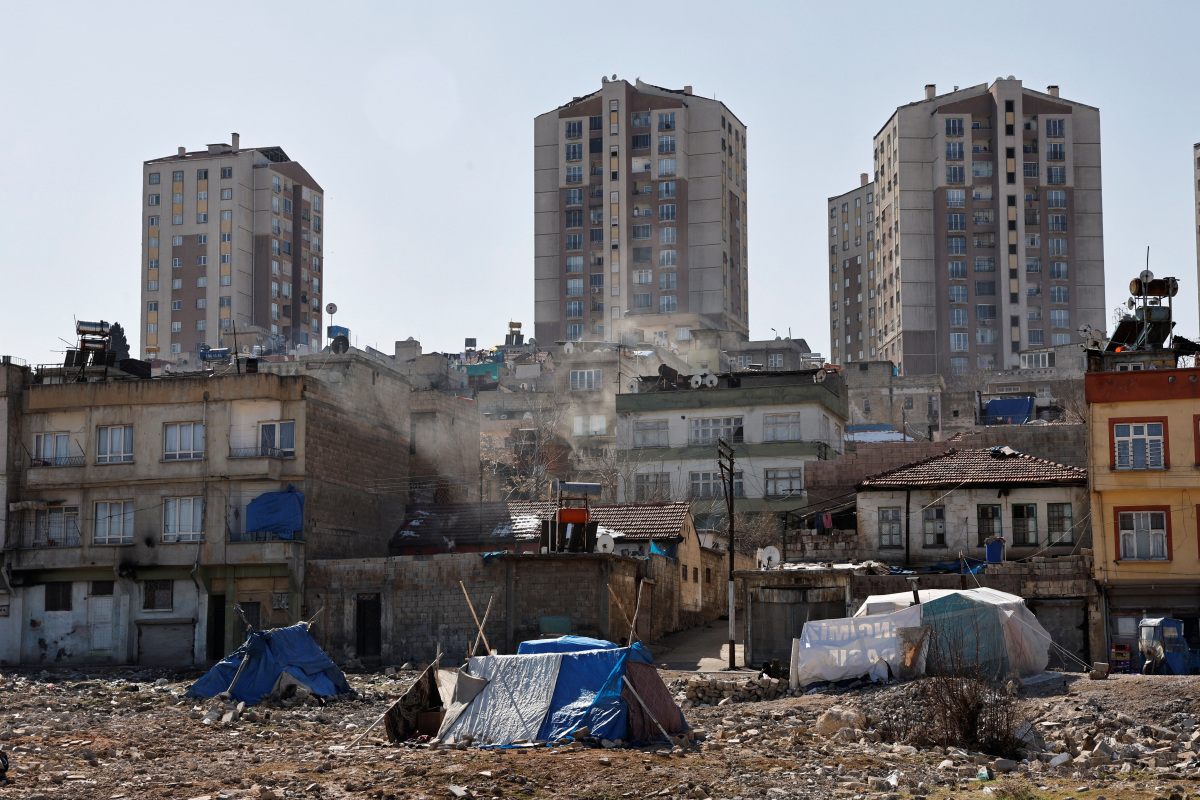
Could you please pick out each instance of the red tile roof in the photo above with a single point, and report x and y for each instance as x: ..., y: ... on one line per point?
x: 985, y: 467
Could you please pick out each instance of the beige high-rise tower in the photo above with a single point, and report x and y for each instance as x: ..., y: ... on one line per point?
x: 988, y: 234
x: 640, y: 203
x: 231, y: 241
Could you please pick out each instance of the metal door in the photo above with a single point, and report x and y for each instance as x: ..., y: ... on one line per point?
x: 100, y: 622
x: 166, y: 644
x: 778, y: 615
x: 369, y: 635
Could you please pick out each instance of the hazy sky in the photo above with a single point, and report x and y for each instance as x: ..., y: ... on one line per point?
x: 418, y: 122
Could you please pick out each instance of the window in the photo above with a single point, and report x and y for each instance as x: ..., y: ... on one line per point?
x: 641, y: 231
x: 182, y: 441
x: 958, y: 366
x: 641, y: 141
x: 891, y: 534
x: 980, y: 169
x: 575, y: 129
x: 711, y: 484
x: 575, y: 308
x: 955, y: 175
x: 1060, y: 318
x: 574, y: 333
x: 666, y: 122
x: 226, y: 172
x: 954, y: 127
x: 153, y: 222
x: 986, y: 336
x: 154, y: 178
x: 784, y: 482
x: 152, y: 200
x: 666, y: 166
x: 183, y: 519
x: 1024, y: 524
x: 593, y: 425
x: 781, y: 427
x: 775, y: 360
x: 58, y: 596
x: 958, y: 318
x: 1056, y: 176
x: 1033, y: 264
x: 1058, y: 272
x: 227, y: 194
x: 933, y: 524
x: 1143, y: 535
x: 585, y: 380
x: 1036, y: 337
x: 574, y: 263
x: 1030, y: 169
x: 277, y: 439
x: 201, y: 324
x: 652, y: 487
x: 956, y: 222
x: 954, y: 151
x: 985, y: 288
x: 667, y: 303
x: 226, y: 216
x: 177, y: 219
x: 596, y: 123
x: 1058, y: 294
x: 958, y: 270
x: 114, y: 444
x: 666, y: 189
x: 1056, y: 199
x: 666, y: 258
x: 574, y: 152
x: 1058, y: 247
x: 666, y: 235
x: 157, y: 595
x: 666, y: 281
x: 959, y: 341
x: 985, y: 264
x: 989, y: 522
x: 114, y: 522
x: 708, y: 430
x: 574, y: 174
x: 955, y: 198
x: 666, y: 212
x: 1054, y: 127
x: 1060, y: 528
x: 666, y: 144
x: 574, y: 241
x: 51, y: 450
x: 1056, y: 152
x: 958, y: 294
x: 1138, y: 445
x: 956, y: 245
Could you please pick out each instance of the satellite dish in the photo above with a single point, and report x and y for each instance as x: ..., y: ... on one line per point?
x: 711, y: 381
x: 245, y: 348
x: 528, y: 415
x: 340, y: 344
x: 331, y: 308
x: 696, y: 381
x: 819, y: 377
x: 770, y: 556
x: 524, y: 387
x: 604, y: 543
x: 568, y: 348
x: 1146, y: 276
x: 632, y: 386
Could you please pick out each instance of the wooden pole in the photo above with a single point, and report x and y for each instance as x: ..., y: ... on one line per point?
x: 645, y: 708
x: 623, y: 612
x: 636, y: 608
x: 485, y: 618
x: 476, y: 616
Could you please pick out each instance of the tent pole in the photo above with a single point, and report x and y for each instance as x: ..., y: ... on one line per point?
x: 485, y: 618
x: 636, y: 609
x: 618, y: 602
x: 473, y: 614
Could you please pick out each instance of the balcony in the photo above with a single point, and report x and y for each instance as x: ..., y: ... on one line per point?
x: 266, y: 536
x: 666, y: 126
x: 40, y: 534
x: 58, y: 461
x: 261, y: 451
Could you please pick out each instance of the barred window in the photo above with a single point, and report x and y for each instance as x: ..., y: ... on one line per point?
x: 158, y: 595
x: 1060, y: 528
x: 652, y: 487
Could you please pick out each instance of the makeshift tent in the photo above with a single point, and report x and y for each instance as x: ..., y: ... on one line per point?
x: 268, y: 663
x: 977, y: 628
x: 1009, y: 411
x: 276, y: 512
x: 544, y: 696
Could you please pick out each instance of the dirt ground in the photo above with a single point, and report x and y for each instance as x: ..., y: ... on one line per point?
x: 117, y: 734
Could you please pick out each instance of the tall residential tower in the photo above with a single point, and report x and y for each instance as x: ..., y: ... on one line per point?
x: 231, y: 239
x: 852, y: 274
x: 988, y: 235
x: 640, y: 204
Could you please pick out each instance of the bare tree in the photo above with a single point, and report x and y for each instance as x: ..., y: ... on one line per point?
x: 753, y: 531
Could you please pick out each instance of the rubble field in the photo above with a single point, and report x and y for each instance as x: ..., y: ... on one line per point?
x: 117, y: 734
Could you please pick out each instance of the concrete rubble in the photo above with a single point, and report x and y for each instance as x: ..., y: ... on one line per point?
x: 128, y: 734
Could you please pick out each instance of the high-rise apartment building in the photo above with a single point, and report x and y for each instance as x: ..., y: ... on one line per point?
x: 852, y: 274
x: 640, y: 203
x: 988, y: 234
x: 231, y: 238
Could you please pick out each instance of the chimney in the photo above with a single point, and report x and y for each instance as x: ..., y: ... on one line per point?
x: 1052, y: 90
x: 862, y: 178
x: 236, y: 142
x: 687, y: 90
x: 183, y: 151
x: 930, y: 91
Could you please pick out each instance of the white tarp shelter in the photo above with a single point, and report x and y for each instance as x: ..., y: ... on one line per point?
x: 514, y: 702
x: 990, y: 628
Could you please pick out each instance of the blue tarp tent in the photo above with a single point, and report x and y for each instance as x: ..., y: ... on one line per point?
x: 274, y: 660
x: 528, y: 697
x: 1010, y: 411
x: 276, y: 512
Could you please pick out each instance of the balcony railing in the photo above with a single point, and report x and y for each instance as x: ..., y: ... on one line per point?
x: 59, y: 461
x: 666, y: 126
x: 262, y: 451
x: 39, y: 534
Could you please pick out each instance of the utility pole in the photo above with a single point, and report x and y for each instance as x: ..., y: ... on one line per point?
x: 725, y: 462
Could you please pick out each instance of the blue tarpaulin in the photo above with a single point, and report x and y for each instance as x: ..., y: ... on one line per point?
x: 273, y: 654
x: 276, y: 512
x: 588, y: 691
x: 563, y: 644
x: 964, y: 566
x: 670, y: 551
x: 1010, y: 411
